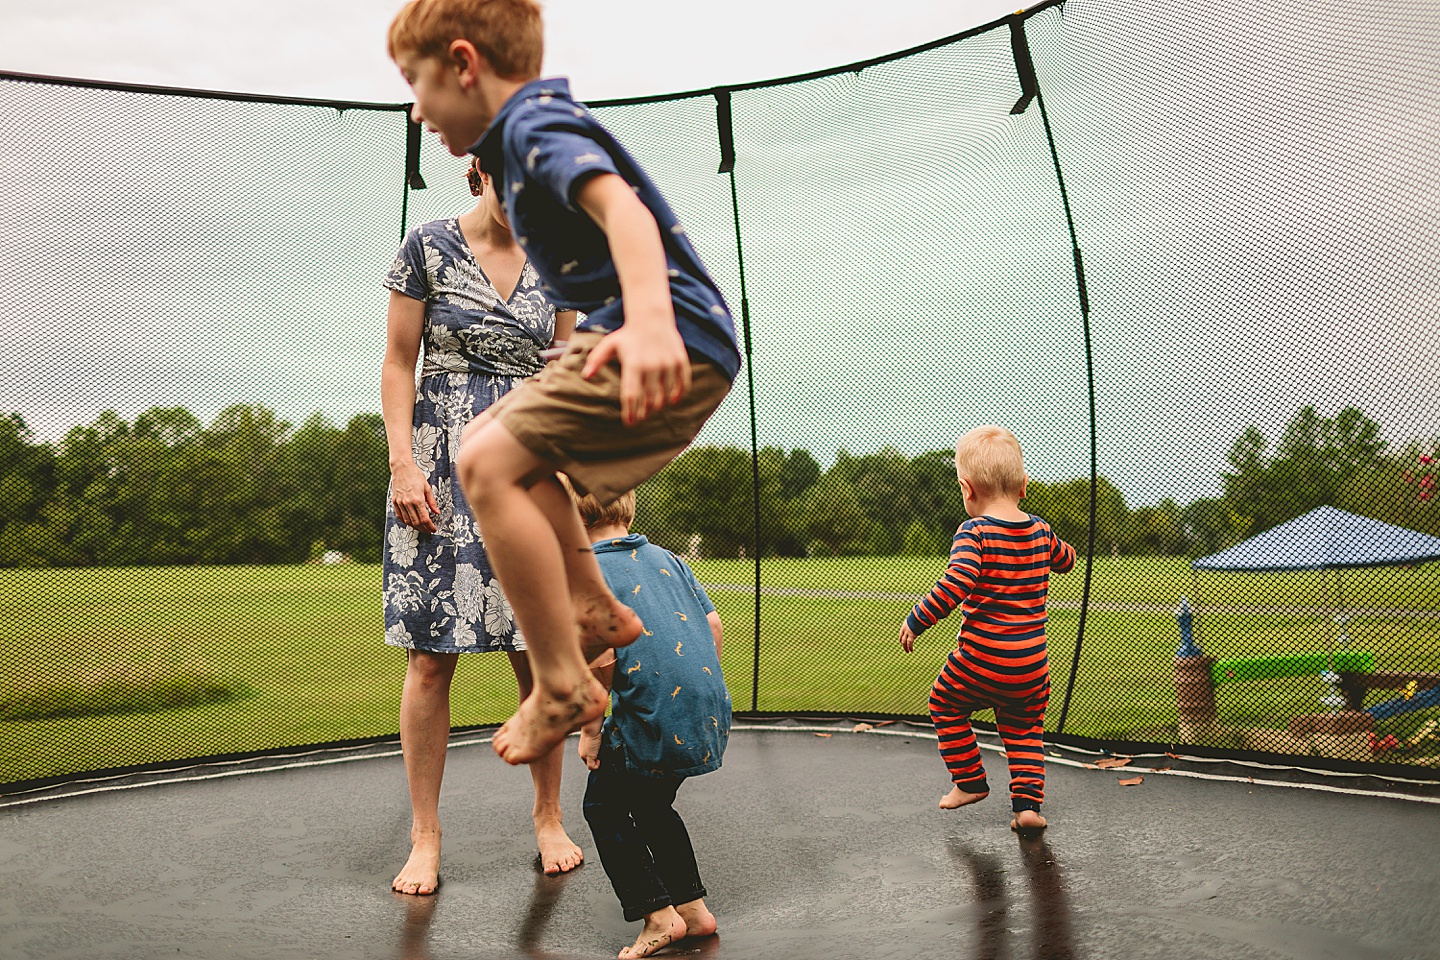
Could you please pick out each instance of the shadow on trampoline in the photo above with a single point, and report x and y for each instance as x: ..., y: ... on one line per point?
x: 1054, y: 938
x: 813, y: 842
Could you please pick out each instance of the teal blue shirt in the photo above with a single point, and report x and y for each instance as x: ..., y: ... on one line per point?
x: 669, y: 709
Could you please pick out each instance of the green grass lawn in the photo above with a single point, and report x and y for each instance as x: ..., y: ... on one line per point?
x: 134, y: 666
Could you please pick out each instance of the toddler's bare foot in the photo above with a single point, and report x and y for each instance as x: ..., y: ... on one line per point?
x: 662, y: 928
x: 421, y: 873
x: 699, y: 921
x: 558, y: 853
x: 604, y: 622
x: 545, y: 719
x: 959, y: 798
x: 1027, y: 820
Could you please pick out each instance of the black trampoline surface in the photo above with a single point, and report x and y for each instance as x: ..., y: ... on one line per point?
x: 824, y: 846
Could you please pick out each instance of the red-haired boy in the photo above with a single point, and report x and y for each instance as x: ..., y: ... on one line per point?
x: 650, y: 363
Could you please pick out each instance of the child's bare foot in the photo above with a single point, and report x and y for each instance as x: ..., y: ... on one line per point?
x: 662, y: 928
x: 421, y: 873
x: 545, y: 719
x: 604, y: 622
x: 558, y: 853
x: 959, y: 798
x: 699, y: 921
x: 1027, y: 820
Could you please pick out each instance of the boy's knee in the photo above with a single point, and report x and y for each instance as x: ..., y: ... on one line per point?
x: 474, y: 427
x: 470, y: 463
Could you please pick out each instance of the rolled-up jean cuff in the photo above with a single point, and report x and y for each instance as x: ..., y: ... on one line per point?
x: 633, y: 913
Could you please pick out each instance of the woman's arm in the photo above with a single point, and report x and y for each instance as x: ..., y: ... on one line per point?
x: 564, y: 325
x: 415, y: 504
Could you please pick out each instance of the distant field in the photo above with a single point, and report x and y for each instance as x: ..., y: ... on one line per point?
x: 261, y: 657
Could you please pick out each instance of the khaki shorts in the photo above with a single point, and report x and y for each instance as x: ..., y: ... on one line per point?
x: 575, y: 423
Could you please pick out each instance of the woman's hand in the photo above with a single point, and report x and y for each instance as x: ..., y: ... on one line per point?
x: 415, y: 504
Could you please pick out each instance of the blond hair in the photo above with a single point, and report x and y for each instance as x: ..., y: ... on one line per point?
x: 508, y: 33
x: 592, y: 514
x: 990, y: 458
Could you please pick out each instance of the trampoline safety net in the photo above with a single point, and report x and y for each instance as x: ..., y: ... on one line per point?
x: 1188, y: 254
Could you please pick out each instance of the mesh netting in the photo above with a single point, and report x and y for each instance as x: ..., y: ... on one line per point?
x: 195, y: 471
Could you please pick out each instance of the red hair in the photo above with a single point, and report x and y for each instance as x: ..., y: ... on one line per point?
x: 508, y: 33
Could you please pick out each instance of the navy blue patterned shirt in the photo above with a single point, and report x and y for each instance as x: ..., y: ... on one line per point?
x: 540, y: 149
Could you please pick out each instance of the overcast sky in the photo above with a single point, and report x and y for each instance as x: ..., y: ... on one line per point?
x: 1255, y: 200
x: 335, y: 49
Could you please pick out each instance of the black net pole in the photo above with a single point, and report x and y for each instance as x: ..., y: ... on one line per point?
x: 413, y: 180
x: 726, y: 132
x: 1030, y: 90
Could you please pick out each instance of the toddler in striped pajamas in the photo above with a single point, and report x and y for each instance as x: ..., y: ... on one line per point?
x: 999, y: 575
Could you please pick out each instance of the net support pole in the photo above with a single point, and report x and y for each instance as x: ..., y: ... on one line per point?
x: 413, y: 180
x: 726, y: 133
x: 1030, y: 91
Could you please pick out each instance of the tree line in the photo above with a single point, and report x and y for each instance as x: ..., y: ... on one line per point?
x: 165, y: 489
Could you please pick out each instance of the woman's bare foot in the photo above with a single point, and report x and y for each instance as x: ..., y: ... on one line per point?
x: 1027, y: 820
x: 662, y: 928
x: 699, y: 921
x: 544, y: 720
x: 421, y: 873
x: 558, y: 853
x: 604, y: 622
x: 959, y: 798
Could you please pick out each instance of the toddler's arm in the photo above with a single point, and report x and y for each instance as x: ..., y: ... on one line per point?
x: 1062, y: 556
x: 713, y: 619
x: 654, y: 367
x: 603, y: 667
x: 947, y: 594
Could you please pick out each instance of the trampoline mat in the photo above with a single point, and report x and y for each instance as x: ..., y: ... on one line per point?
x: 824, y: 844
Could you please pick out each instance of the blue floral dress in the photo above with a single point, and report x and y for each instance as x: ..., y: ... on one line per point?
x: 441, y: 595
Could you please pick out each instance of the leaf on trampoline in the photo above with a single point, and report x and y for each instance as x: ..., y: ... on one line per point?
x: 1160, y: 769
x: 1132, y: 781
x: 1105, y: 763
x: 862, y: 727
x: 824, y: 734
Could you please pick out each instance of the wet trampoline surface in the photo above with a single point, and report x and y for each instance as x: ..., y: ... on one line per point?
x: 811, y: 846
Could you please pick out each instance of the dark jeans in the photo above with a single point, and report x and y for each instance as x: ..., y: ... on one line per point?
x: 641, y: 839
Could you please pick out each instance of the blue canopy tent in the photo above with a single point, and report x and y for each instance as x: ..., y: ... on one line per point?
x: 1325, y: 539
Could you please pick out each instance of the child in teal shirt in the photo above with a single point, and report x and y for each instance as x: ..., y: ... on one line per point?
x: 669, y: 720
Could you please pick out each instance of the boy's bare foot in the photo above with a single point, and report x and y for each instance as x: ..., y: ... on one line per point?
x: 421, y: 873
x: 699, y: 921
x: 604, y: 622
x: 1027, y: 820
x: 662, y: 928
x: 544, y: 720
x: 959, y: 798
x: 558, y: 853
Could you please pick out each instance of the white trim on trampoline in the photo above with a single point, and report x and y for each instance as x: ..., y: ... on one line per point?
x: 780, y: 728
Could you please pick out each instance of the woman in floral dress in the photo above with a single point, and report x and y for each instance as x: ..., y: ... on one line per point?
x: 464, y: 289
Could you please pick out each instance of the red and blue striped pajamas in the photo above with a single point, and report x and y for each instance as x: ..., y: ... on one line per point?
x: 999, y: 577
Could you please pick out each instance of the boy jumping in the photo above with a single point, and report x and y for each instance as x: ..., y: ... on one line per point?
x: 651, y: 361
x: 999, y: 575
